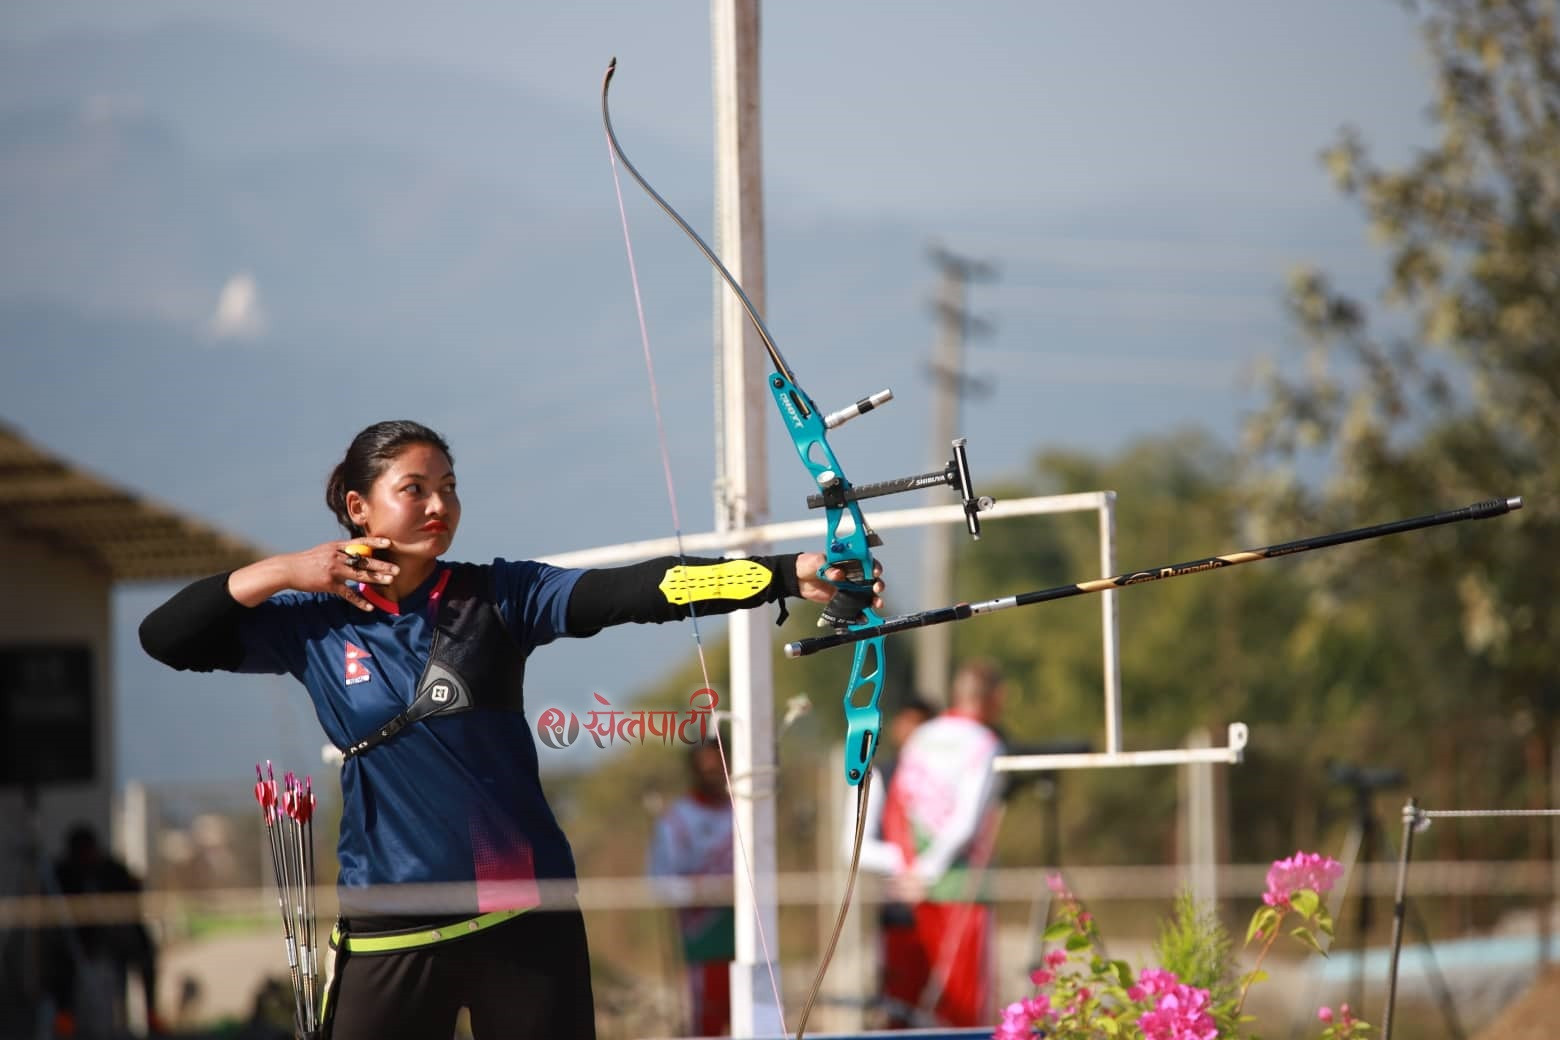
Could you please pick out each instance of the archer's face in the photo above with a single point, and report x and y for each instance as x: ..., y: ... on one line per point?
x: 413, y: 503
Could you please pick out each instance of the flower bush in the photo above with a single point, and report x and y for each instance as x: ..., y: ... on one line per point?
x: 1193, y: 994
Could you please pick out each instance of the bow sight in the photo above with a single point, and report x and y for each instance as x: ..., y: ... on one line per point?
x: 956, y: 474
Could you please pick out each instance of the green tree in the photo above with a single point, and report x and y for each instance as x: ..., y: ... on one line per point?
x: 1448, y: 389
x: 1198, y: 652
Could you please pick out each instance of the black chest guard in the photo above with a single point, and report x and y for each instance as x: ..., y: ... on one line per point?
x: 474, y: 663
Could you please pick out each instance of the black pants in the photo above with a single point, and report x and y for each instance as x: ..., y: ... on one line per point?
x: 526, y: 979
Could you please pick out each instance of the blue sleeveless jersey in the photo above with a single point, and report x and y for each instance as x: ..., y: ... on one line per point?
x: 452, y: 800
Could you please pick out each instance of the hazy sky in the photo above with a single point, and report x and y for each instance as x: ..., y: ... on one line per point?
x: 911, y: 104
x: 1142, y: 174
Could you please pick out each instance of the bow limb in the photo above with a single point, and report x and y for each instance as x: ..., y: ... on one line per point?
x: 848, y: 561
x: 848, y: 538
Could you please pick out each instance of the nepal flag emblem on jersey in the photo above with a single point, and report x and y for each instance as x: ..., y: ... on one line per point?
x: 356, y: 671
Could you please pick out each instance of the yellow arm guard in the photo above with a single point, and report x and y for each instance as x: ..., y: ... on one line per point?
x: 729, y: 579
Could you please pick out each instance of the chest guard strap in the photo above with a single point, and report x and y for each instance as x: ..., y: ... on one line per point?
x: 473, y: 661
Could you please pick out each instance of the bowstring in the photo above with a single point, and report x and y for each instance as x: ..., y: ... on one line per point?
x: 693, y: 613
x: 839, y: 920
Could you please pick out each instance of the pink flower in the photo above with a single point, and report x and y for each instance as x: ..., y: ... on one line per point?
x: 1303, y: 870
x: 1056, y: 884
x: 1156, y: 981
x: 1041, y: 977
x: 1056, y: 958
x: 1181, y: 1014
x: 1024, y: 1015
x: 1324, y: 1013
x: 1017, y: 1023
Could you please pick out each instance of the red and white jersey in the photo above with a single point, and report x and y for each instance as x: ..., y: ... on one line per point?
x: 940, y: 802
x: 693, y: 839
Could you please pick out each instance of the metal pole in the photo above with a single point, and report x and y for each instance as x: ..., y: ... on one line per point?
x: 1411, y: 819
x: 1110, y: 625
x: 1198, y: 837
x: 742, y: 502
x: 933, y: 659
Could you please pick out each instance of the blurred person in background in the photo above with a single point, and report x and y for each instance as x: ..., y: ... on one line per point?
x: 939, y: 822
x: 692, y: 840
x: 415, y: 666
x: 86, y: 869
x: 905, y: 720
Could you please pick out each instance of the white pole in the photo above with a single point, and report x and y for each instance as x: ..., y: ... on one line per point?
x: 1198, y: 839
x: 815, y: 528
x: 742, y: 503
x: 1110, y: 625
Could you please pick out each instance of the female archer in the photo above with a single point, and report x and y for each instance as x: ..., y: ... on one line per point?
x: 415, y: 666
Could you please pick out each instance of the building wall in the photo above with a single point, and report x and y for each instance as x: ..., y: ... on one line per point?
x: 50, y: 598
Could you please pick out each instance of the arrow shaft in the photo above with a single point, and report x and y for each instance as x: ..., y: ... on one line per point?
x: 962, y: 611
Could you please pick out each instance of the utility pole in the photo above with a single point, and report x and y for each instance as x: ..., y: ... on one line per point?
x: 955, y: 325
x: 742, y: 501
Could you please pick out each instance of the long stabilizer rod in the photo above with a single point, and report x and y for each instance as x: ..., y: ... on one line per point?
x: 961, y: 611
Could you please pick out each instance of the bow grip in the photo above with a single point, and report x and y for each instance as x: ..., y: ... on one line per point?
x: 848, y: 605
x: 852, y: 595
